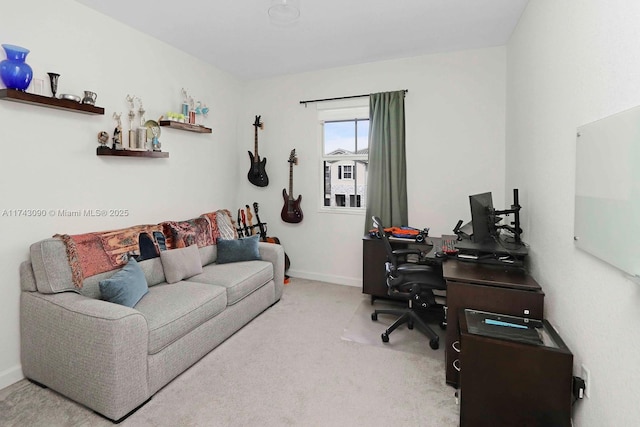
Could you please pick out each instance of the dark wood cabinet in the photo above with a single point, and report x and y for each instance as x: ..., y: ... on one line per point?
x: 373, y: 272
x: 509, y: 383
x: 489, y: 288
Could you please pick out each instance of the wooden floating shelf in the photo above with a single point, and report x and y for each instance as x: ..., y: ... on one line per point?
x: 106, y: 151
x: 48, y: 101
x: 185, y: 126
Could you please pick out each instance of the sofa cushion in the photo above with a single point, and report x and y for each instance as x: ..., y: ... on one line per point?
x: 238, y: 278
x: 51, y: 267
x: 126, y: 287
x: 245, y: 249
x: 208, y: 254
x: 181, y: 263
x: 173, y: 311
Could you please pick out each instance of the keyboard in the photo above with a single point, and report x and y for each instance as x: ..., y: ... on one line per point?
x: 449, y: 246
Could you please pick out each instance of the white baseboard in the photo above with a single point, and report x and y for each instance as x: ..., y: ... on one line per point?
x: 338, y: 280
x: 10, y: 376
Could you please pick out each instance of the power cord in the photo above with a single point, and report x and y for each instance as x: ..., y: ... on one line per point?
x: 579, y: 387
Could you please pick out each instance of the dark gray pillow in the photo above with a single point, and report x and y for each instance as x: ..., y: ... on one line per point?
x: 235, y: 250
x: 126, y: 287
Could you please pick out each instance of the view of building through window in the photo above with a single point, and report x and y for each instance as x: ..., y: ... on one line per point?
x: 345, y: 160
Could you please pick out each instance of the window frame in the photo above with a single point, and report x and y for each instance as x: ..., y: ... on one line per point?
x: 355, y: 113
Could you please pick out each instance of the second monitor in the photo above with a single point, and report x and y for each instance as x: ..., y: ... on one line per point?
x: 484, y: 234
x: 483, y: 219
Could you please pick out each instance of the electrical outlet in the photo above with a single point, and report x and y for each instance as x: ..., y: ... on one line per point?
x: 586, y: 376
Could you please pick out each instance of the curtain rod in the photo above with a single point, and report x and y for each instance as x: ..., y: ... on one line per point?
x: 340, y: 97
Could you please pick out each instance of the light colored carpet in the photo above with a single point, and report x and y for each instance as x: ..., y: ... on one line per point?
x: 291, y: 366
x: 363, y: 330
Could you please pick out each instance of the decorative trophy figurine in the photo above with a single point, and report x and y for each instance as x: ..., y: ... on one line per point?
x: 141, y: 111
x: 132, y: 116
x: 155, y: 144
x: 141, y: 131
x: 185, y: 103
x: 103, y: 138
x: 117, y: 132
x: 192, y: 111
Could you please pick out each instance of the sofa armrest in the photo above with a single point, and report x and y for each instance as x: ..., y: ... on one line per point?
x: 92, y: 351
x: 274, y: 253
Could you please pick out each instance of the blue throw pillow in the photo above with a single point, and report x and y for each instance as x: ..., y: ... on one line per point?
x: 126, y: 287
x: 235, y: 250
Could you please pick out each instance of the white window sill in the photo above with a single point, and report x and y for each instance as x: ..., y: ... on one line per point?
x: 345, y: 211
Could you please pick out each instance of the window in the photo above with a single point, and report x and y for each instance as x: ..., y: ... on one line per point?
x: 345, y: 160
x: 346, y: 172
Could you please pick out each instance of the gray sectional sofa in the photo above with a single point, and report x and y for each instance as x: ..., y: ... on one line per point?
x: 113, y: 358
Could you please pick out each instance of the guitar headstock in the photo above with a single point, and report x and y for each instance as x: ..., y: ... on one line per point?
x: 258, y: 123
x: 255, y: 207
x: 292, y: 157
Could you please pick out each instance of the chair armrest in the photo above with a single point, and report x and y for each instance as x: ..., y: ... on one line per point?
x: 416, y: 268
x: 92, y: 351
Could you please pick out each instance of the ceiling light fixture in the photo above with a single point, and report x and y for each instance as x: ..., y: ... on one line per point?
x: 284, y: 12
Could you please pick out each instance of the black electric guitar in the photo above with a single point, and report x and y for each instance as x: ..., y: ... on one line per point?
x: 239, y: 228
x: 257, y: 174
x: 262, y: 226
x: 291, y: 211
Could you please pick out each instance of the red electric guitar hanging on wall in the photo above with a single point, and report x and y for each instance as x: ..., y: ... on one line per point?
x: 291, y: 211
x: 257, y: 174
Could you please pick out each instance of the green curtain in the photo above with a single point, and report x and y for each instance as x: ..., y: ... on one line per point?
x: 387, y: 175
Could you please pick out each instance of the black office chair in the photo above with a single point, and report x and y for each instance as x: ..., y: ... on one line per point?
x: 414, y: 283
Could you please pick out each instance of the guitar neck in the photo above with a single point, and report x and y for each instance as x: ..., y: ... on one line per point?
x: 291, y: 181
x: 255, y: 146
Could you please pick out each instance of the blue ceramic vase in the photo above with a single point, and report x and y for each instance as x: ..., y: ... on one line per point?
x: 14, y: 72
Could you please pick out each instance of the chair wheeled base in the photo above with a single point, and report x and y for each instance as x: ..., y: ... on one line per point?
x: 411, y: 318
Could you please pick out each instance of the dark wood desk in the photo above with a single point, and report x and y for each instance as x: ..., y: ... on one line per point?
x: 374, y: 280
x: 489, y: 288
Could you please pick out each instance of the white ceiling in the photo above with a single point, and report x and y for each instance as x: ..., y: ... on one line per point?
x: 236, y: 35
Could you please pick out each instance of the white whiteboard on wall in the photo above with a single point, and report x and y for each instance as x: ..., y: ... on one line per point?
x: 607, y: 200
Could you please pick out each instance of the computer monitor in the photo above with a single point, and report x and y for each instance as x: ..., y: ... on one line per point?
x: 485, y: 229
x: 483, y: 218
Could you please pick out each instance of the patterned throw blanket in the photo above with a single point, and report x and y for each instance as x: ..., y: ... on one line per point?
x: 93, y: 253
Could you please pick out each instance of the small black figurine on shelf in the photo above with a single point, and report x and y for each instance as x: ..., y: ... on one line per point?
x: 53, y: 79
x: 117, y: 132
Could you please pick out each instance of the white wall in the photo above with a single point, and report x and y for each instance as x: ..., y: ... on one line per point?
x: 570, y: 63
x: 49, y: 159
x: 455, y: 121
